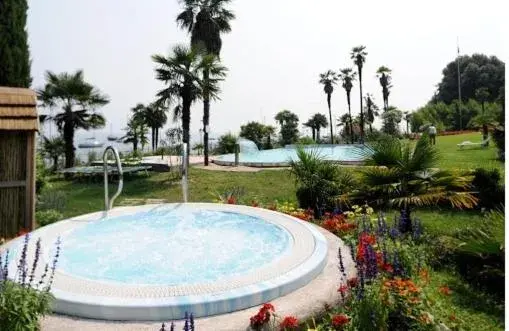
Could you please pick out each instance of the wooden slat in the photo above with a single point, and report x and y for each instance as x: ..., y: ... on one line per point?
x: 16, y: 183
x: 17, y: 96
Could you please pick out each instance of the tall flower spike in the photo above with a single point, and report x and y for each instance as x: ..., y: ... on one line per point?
x: 172, y: 326
x: 54, y: 264
x: 186, y: 322
x: 191, y: 321
x: 341, y: 265
x: 36, y: 260
x: 22, y: 264
x: 163, y: 327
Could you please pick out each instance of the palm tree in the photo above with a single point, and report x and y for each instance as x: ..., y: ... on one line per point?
x: 52, y: 148
x: 77, y: 99
x: 136, y: 131
x: 268, y: 131
x: 155, y: 118
x: 180, y: 71
x: 311, y: 125
x: 384, y: 76
x: 206, y: 20
x: 328, y: 79
x: 316, y: 122
x: 482, y: 94
x: 371, y: 111
x: 347, y: 76
x: 358, y: 55
x: 288, y: 122
x: 405, y: 176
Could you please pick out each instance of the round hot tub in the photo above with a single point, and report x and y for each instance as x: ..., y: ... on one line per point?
x: 156, y: 262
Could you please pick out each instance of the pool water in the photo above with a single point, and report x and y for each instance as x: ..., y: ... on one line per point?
x: 170, y: 246
x: 280, y: 156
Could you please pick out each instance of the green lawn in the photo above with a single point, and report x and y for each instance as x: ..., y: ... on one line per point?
x: 470, y: 305
x: 453, y: 158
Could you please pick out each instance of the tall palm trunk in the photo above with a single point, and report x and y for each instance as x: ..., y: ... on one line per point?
x: 157, y: 138
x: 69, y: 143
x: 330, y: 118
x: 186, y: 120
x: 55, y: 163
x: 313, y: 133
x: 362, y: 110
x: 484, y: 125
x: 370, y: 128
x: 206, y: 116
x: 350, y: 117
x: 318, y: 134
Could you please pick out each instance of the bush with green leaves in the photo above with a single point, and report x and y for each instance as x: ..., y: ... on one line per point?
x: 318, y: 181
x: 45, y: 217
x: 51, y: 200
x: 489, y: 187
x: 226, y: 144
x: 25, y: 296
x: 41, y: 173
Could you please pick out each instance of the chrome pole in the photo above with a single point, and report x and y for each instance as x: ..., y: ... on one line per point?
x: 184, y: 171
x: 108, y: 204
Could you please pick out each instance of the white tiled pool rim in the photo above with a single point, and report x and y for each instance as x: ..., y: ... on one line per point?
x: 117, y: 301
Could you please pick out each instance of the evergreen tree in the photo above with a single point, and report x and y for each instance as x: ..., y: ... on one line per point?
x: 14, y: 53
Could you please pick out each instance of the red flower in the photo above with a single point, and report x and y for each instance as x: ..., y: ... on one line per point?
x: 330, y: 224
x: 445, y: 290
x: 23, y: 232
x: 367, y: 239
x: 352, y: 282
x: 231, y: 201
x: 263, y: 315
x: 387, y: 267
x: 340, y: 320
x: 289, y: 322
x: 342, y: 289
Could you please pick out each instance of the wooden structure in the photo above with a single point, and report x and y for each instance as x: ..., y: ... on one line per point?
x: 18, y: 126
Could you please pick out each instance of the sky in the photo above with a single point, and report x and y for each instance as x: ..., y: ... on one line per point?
x: 275, y: 52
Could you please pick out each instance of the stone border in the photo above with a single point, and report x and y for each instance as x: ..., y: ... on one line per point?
x: 117, y: 301
x: 302, y: 303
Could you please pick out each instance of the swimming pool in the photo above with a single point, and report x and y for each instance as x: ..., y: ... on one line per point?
x: 280, y: 157
x: 155, y: 262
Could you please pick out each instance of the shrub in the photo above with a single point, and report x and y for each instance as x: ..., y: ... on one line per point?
x: 226, y: 144
x: 55, y: 200
x: 23, y: 298
x: 41, y: 173
x: 305, y: 141
x: 45, y: 217
x: 318, y: 181
x: 499, y: 139
x: 491, y: 192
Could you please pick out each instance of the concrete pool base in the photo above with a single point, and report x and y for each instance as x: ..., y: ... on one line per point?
x: 302, y: 303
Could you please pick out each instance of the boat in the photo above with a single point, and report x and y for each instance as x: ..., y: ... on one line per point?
x: 91, y: 143
x: 111, y: 136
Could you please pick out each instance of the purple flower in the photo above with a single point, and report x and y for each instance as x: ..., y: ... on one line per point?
x: 186, y: 322
x: 172, y: 326
x: 163, y: 327
x: 22, y: 265
x: 341, y: 265
x: 36, y: 260
x: 417, y: 229
x: 352, y: 251
x: 191, y: 322
x: 54, y: 264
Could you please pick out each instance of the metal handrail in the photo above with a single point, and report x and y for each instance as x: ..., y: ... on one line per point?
x: 184, y: 171
x: 108, y: 204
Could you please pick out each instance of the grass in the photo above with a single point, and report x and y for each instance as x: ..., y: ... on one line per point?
x: 476, y: 310
x: 453, y: 158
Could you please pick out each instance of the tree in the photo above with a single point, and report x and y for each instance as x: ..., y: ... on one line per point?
x: 407, y: 116
x: 316, y: 122
x: 347, y: 76
x: 482, y: 95
x: 371, y: 111
x: 14, y: 52
x: 226, y: 144
x: 77, y: 99
x: 358, y: 55
x: 405, y: 176
x: 384, y: 76
x: 180, y: 71
x: 328, y: 79
x: 136, y: 131
x: 253, y: 131
x: 155, y: 118
x: 476, y: 71
x: 391, y: 119
x: 53, y: 148
x: 289, y: 123
x: 206, y: 20
x: 269, y: 131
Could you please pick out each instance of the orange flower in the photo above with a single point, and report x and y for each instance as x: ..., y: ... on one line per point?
x: 289, y: 323
x: 445, y: 290
x: 231, y: 201
x: 340, y: 320
x: 342, y: 289
x: 424, y: 274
